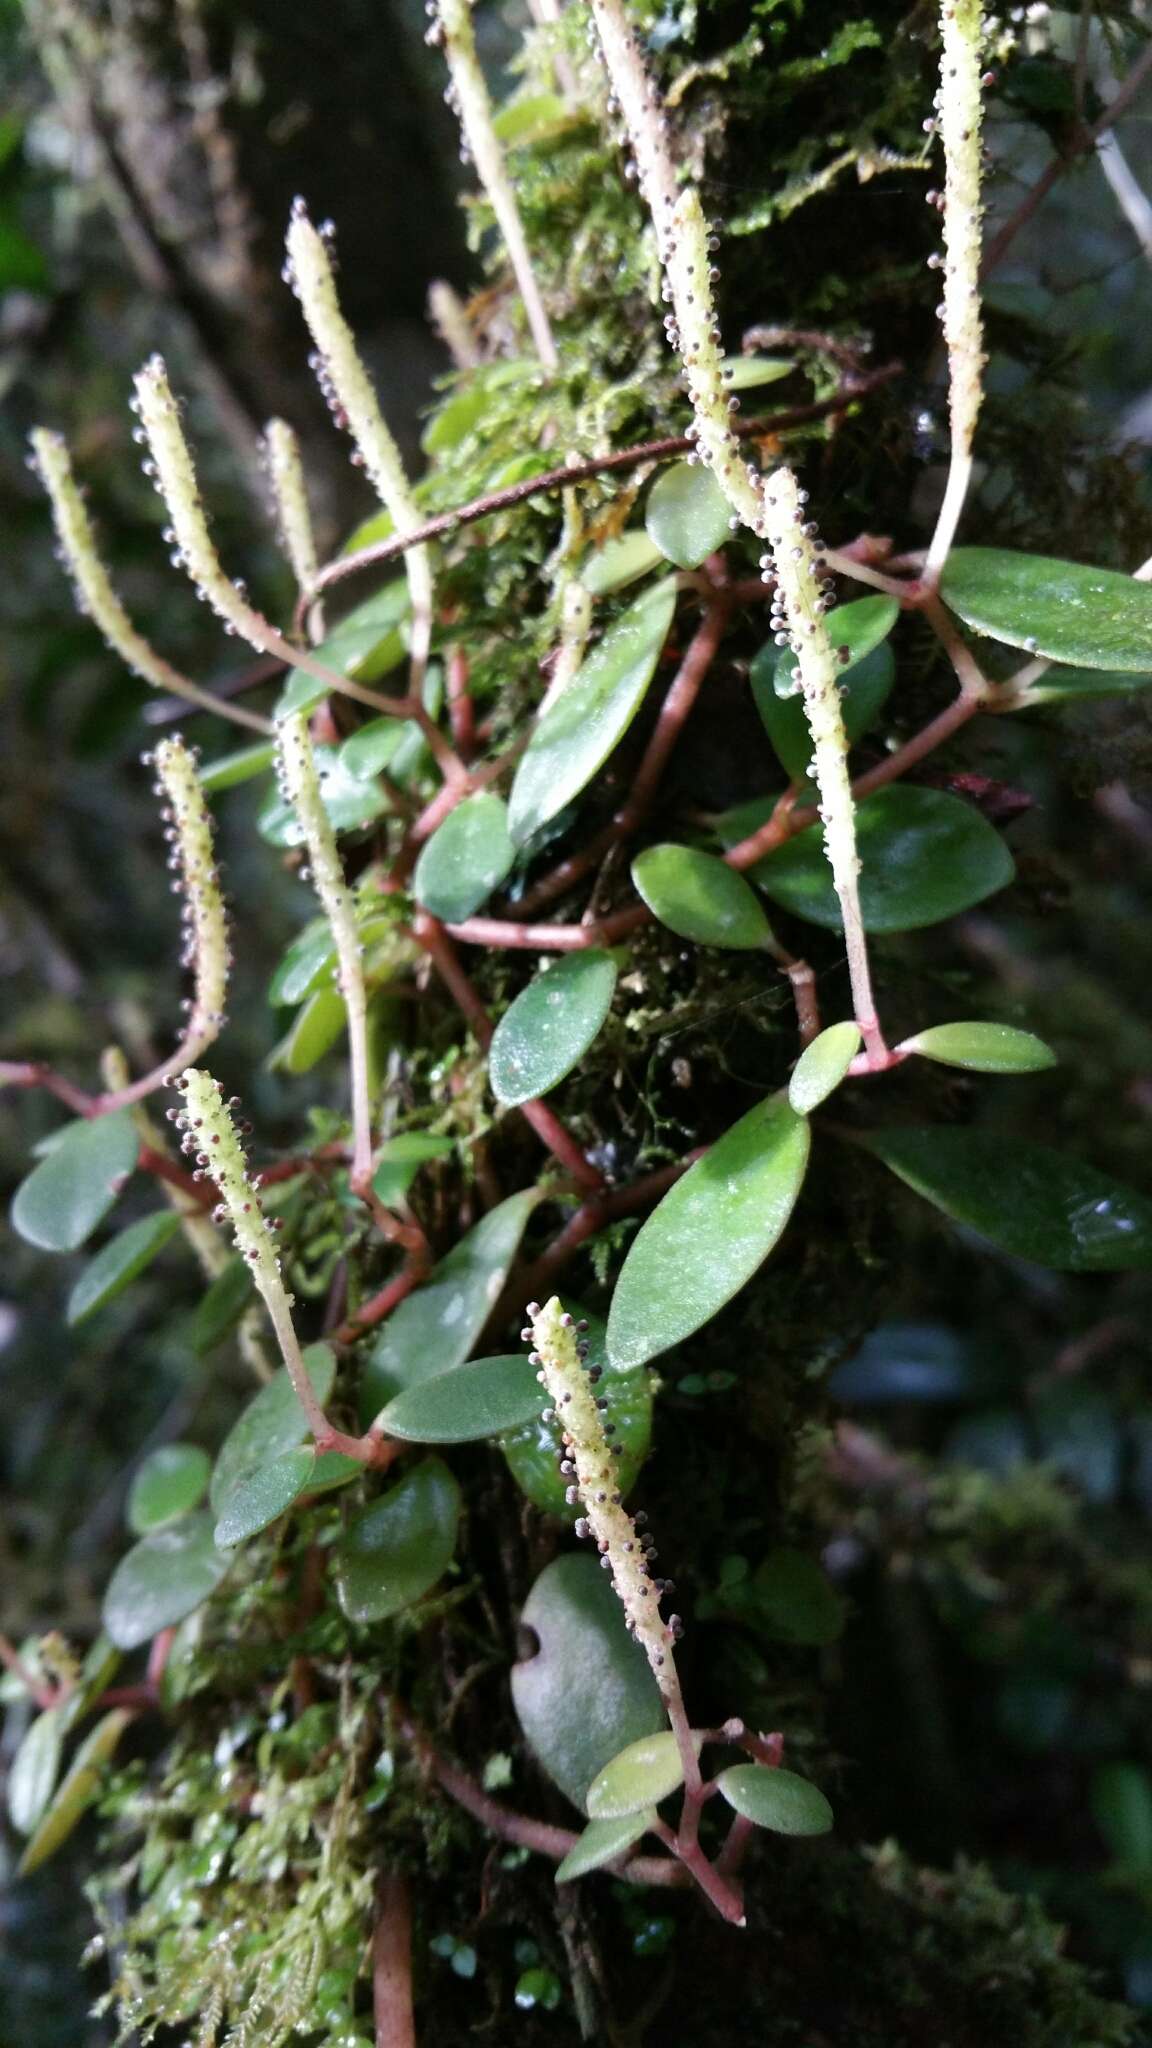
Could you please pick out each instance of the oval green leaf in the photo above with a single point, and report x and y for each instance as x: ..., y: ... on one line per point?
x: 374, y: 747
x: 399, y: 1161
x: 169, y: 1483
x: 467, y: 1404
x: 822, y: 1066
x: 263, y: 1496
x: 1033, y: 1202
x: 699, y: 897
x: 924, y: 856
x: 637, y: 1778
x: 350, y: 803
x: 65, y: 1196
x: 437, y: 1325
x: 575, y: 737
x: 550, y: 1025
x: 163, y: 1577
x: 77, y: 1790
x: 984, y: 1048
x: 120, y: 1262
x: 272, y: 1423
x: 221, y: 1307
x: 34, y: 1769
x: 620, y: 562
x: 709, y: 1234
x: 534, y: 1451
x: 778, y: 1800
x: 367, y: 644
x: 396, y: 1550
x: 231, y: 769
x: 603, y: 1841
x: 855, y: 630
x: 587, y: 1689
x: 466, y: 858
x: 303, y: 966
x: 687, y: 514
x: 315, y: 1029
x: 1090, y: 618
x: 745, y: 373
x: 864, y: 691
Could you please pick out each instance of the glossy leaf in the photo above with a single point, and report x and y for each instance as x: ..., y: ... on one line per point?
x: 746, y: 373
x: 466, y: 858
x: 305, y: 965
x: 864, y: 691
x: 687, y: 514
x: 587, y: 1689
x: 984, y: 1048
x: 466, y: 1404
x: 169, y: 1483
x: 822, y: 1066
x: 366, y: 644
x: 272, y: 1423
x: 575, y: 737
x: 164, y: 1576
x: 318, y: 1025
x: 34, y: 1769
x: 120, y: 1262
x: 1064, y: 685
x: 855, y: 629
x: 76, y: 1791
x: 263, y: 1496
x: 709, y: 1233
x: 437, y: 1325
x: 374, y: 747
x: 1033, y: 1202
x: 350, y: 803
x: 399, y: 1161
x: 550, y: 1025
x: 231, y: 769
x: 603, y: 1841
x: 637, y: 1778
x: 221, y: 1307
x: 395, y: 1551
x: 775, y: 1799
x: 76, y: 1183
x: 1089, y: 618
x: 699, y: 897
x: 924, y: 856
x: 620, y: 562
x: 533, y: 1451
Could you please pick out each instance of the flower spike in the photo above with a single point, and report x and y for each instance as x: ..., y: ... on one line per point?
x: 960, y: 110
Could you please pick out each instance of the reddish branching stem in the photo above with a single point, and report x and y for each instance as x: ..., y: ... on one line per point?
x: 395, y: 2021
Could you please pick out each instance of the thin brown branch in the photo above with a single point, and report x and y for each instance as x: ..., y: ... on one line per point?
x: 392, y: 2009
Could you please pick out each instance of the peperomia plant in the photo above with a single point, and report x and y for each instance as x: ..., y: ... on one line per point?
x: 524, y: 762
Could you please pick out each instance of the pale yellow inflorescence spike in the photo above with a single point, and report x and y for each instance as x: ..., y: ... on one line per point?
x: 590, y: 1466
x: 290, y: 501
x: 960, y: 115
x: 188, y: 825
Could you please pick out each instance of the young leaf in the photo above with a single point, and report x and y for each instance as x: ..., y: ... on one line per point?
x: 119, y: 1262
x: 163, y: 1577
x: 466, y: 858
x: 620, y: 562
x: 65, y: 1196
x: 637, y: 1778
x: 534, y: 1451
x: 34, y: 1769
x: 550, y: 1025
x: 169, y: 1483
x: 395, y: 1551
x: 699, y: 897
x: 77, y: 1790
x: 576, y: 736
x: 350, y: 803
x: 985, y: 1048
x: 775, y: 1799
x: 437, y: 1325
x: 231, y: 769
x: 366, y: 644
x: 822, y: 1066
x: 399, y: 1161
x: 855, y: 629
x: 687, y: 514
x: 272, y: 1423
x: 602, y: 1842
x: 1034, y: 1203
x: 1090, y: 618
x: 305, y: 965
x: 263, y: 1496
x: 709, y: 1234
x: 924, y: 856
x: 467, y: 1403
x: 747, y: 373
x: 587, y: 1688
x: 315, y: 1029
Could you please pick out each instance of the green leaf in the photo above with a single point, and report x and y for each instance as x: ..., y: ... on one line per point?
x: 466, y: 858
x: 272, y: 1423
x: 687, y: 514
x: 1090, y: 618
x: 120, y: 1262
x: 699, y: 897
x: 822, y: 1066
x: 985, y: 1048
x: 366, y: 645
x: 263, y: 1496
x: 1034, y: 1203
x: 318, y: 1025
x: 467, y: 1403
x: 637, y: 1778
x: 1061, y: 685
x: 620, y: 562
x: 374, y: 747
x: 34, y: 1769
x: 230, y: 769
x: 163, y: 1577
x: 77, y: 1791
x: 792, y: 1596
x: 400, y: 1160
x: 169, y: 1483
x: 532, y: 117
x: 575, y: 737
x: 436, y: 1326
x: 396, y: 1550
x: 303, y: 966
x: 859, y: 628
x: 65, y: 1196
x: 709, y: 1233
x: 603, y: 1841
x: 924, y: 856
x: 1121, y: 1799
x: 221, y: 1308
x: 550, y: 1025
x: 534, y: 1451
x: 350, y: 803
x: 587, y: 1689
x: 775, y: 1799
x: 746, y: 373
x: 866, y: 683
